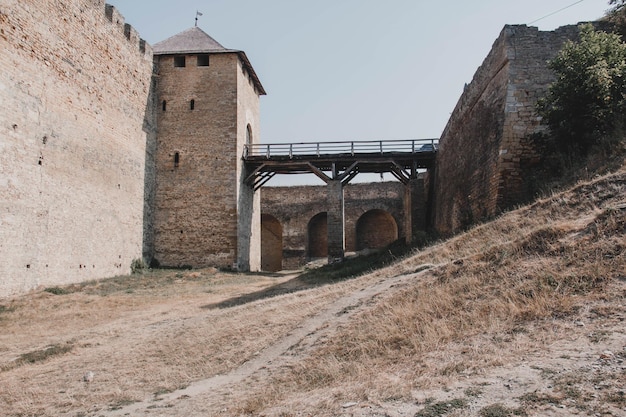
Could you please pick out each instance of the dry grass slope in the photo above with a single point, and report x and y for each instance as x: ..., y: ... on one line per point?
x: 498, y: 291
x: 514, y: 317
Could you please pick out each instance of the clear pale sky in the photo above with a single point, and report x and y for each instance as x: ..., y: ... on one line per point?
x: 356, y: 69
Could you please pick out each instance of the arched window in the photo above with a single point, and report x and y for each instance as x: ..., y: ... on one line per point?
x: 248, y: 134
x: 164, y: 105
x: 192, y: 104
x: 176, y: 159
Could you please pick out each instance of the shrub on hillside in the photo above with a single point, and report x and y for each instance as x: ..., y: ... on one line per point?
x: 587, y: 102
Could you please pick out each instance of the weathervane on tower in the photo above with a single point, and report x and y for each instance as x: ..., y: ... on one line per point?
x: 197, y: 14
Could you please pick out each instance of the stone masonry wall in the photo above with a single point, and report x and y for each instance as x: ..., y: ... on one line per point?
x: 199, y: 200
x: 466, y: 174
x: 294, y: 207
x: 76, y: 118
x: 486, y: 150
x: 249, y: 202
x: 196, y: 199
x: 529, y: 79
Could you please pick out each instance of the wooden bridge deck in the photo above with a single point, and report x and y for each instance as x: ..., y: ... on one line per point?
x: 339, y: 160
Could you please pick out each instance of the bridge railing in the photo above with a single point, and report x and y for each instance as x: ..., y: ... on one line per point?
x: 269, y: 150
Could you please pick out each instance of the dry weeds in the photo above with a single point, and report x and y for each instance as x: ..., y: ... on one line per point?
x: 514, y: 317
x: 498, y: 292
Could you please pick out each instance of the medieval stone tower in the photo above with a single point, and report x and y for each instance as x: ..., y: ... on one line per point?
x: 207, y: 109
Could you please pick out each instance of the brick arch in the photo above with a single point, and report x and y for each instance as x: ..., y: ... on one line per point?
x: 376, y: 229
x: 318, y: 236
x: 271, y: 243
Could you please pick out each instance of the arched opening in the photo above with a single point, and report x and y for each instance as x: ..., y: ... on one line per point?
x: 375, y: 229
x: 248, y: 135
x: 271, y: 244
x: 318, y: 236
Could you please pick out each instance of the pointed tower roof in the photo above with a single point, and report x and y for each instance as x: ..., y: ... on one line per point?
x: 196, y: 41
x: 193, y: 40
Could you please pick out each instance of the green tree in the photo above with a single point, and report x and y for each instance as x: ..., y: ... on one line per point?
x: 588, y: 98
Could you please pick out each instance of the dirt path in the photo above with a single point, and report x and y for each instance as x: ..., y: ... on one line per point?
x: 281, y: 353
x: 539, y: 377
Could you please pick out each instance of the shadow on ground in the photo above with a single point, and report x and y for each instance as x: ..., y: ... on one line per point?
x: 293, y: 285
x: 324, y: 275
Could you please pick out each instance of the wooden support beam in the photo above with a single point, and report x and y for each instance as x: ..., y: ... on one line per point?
x: 318, y: 172
x: 348, y: 171
x: 399, y: 168
x: 399, y: 172
x: 350, y: 177
x: 250, y: 179
x: 398, y: 177
x: 264, y: 179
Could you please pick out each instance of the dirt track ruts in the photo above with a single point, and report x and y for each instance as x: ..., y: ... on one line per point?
x: 283, y: 352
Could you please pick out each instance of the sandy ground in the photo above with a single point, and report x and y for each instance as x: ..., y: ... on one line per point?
x: 118, y: 337
x: 590, y: 351
x: 142, y: 343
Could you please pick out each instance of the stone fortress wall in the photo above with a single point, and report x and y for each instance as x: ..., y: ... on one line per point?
x: 76, y: 129
x: 294, y: 221
x: 486, y: 152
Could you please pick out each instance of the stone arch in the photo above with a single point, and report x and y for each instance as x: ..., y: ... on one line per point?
x: 318, y: 236
x: 271, y: 243
x: 375, y: 229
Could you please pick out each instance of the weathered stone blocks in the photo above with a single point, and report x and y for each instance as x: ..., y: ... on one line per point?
x: 204, y: 214
x: 75, y: 128
x: 301, y: 214
x: 486, y: 150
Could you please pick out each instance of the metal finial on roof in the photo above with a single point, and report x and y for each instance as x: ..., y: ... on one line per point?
x: 197, y: 14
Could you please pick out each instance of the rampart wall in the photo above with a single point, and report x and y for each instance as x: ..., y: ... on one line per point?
x: 486, y: 151
x: 76, y: 129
